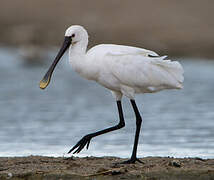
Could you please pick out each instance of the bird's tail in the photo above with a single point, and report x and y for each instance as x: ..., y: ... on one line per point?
x: 172, y: 67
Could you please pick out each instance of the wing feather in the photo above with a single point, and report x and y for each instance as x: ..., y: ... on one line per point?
x: 144, y: 72
x: 128, y: 50
x: 120, y: 50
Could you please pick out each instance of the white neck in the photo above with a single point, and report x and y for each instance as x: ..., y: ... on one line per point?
x: 79, y: 47
x: 77, y: 51
x: 79, y: 61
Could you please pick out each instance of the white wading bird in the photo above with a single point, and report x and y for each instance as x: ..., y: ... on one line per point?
x: 124, y: 70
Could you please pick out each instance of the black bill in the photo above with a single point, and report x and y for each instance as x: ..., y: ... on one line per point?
x: 46, y: 79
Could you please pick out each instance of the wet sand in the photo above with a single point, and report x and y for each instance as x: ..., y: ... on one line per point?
x: 106, y: 168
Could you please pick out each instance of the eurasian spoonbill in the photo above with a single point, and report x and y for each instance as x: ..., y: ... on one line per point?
x: 124, y: 70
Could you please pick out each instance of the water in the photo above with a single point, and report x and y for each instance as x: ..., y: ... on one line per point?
x: 35, y: 122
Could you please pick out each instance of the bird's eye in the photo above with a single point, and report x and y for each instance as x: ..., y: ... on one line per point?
x: 73, y: 35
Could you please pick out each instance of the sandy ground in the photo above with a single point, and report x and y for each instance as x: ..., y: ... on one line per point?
x: 106, y: 168
x: 176, y: 28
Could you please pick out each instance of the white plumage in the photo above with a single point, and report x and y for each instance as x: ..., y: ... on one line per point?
x: 124, y: 70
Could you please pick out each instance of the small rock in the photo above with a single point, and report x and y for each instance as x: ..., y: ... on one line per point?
x: 116, y: 172
x: 175, y: 163
x: 116, y: 165
x: 10, y: 175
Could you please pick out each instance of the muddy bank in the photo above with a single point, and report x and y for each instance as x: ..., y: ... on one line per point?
x: 107, y: 168
x: 177, y: 28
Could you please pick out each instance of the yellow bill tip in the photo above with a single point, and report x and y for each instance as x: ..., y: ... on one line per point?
x: 43, y: 83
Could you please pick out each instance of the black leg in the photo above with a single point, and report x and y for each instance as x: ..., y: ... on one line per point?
x: 85, y: 141
x: 133, y: 158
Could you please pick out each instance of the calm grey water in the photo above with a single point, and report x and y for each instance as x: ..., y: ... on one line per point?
x: 176, y: 123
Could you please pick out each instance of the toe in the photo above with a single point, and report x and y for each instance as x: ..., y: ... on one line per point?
x: 85, y: 141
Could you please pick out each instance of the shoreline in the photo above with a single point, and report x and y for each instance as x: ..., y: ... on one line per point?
x: 107, y: 168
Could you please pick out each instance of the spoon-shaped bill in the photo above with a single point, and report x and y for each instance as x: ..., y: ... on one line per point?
x: 46, y: 79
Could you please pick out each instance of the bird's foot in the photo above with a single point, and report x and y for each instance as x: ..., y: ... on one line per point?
x: 85, y: 141
x: 132, y: 161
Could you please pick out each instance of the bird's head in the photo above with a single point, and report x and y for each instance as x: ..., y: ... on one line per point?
x: 75, y: 36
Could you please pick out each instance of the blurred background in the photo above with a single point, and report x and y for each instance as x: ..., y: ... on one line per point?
x: 50, y: 122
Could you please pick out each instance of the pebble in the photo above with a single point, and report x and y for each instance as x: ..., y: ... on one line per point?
x: 175, y: 163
